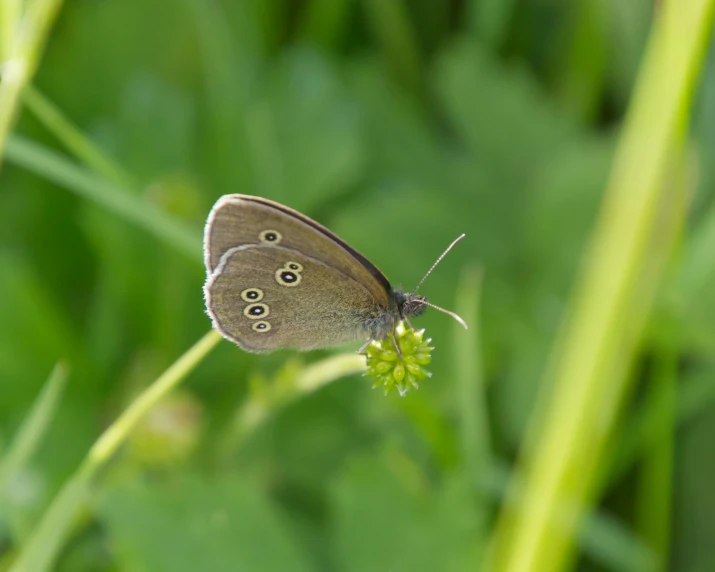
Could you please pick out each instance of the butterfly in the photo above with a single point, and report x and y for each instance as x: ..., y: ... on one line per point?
x: 278, y: 279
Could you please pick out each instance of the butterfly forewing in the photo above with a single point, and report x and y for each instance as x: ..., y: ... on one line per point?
x: 265, y: 297
x: 238, y: 220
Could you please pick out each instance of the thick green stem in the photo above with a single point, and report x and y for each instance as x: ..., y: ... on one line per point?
x: 588, y: 378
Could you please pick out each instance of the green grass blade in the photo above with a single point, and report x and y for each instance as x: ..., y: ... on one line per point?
x: 34, y: 426
x: 607, y: 310
x: 654, y: 490
x: 54, y: 527
x: 28, y: 38
x: 116, y: 199
x: 602, y: 537
x: 72, y: 138
x: 10, y: 11
x: 45, y: 542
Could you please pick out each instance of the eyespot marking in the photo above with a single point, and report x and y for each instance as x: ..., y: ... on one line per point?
x: 291, y: 265
x: 255, y: 311
x: 270, y: 236
x: 261, y: 326
x: 286, y: 277
x: 252, y: 295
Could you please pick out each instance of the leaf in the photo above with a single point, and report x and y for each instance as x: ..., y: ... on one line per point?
x: 304, y: 132
x: 382, y: 523
x: 502, y: 114
x: 197, y: 524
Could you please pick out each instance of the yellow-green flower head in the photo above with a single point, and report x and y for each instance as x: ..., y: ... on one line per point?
x: 403, y: 372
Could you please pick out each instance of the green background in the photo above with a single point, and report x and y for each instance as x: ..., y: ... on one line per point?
x: 399, y: 124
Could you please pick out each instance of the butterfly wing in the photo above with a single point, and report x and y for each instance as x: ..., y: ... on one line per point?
x: 265, y: 297
x: 238, y: 220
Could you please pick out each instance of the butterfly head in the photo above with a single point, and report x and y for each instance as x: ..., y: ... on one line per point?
x: 409, y: 304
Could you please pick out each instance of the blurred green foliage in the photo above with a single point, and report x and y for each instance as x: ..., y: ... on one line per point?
x: 398, y: 124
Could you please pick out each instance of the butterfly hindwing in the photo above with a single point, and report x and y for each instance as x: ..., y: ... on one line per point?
x: 265, y: 297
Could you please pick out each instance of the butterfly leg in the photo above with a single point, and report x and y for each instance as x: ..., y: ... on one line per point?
x: 394, y: 341
x: 409, y: 324
x: 363, y: 347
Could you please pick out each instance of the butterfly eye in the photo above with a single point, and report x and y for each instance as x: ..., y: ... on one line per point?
x: 255, y: 311
x: 270, y: 236
x: 261, y: 326
x: 252, y: 295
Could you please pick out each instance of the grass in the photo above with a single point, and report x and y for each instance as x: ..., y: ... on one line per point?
x: 417, y: 126
x: 611, y: 302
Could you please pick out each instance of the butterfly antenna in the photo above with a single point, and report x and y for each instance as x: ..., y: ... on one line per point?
x: 455, y: 316
x: 437, y: 262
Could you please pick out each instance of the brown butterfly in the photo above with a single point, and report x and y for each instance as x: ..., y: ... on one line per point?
x: 278, y: 279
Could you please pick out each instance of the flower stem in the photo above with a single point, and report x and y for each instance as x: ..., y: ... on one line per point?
x: 41, y: 549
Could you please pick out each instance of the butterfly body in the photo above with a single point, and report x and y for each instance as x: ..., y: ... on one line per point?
x: 277, y: 279
x: 403, y: 305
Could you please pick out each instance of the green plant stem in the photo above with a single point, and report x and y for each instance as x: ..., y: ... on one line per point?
x: 608, y: 541
x: 598, y: 337
x: 308, y: 380
x: 42, y: 548
x: 28, y: 38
